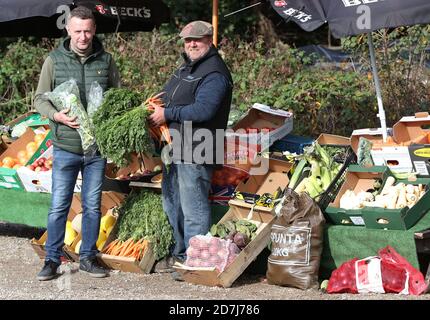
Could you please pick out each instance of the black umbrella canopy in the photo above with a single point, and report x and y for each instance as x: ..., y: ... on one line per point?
x: 130, y: 15
x: 352, y: 17
x: 31, y: 17
x: 46, y: 18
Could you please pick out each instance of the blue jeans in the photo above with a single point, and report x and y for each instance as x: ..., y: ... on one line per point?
x: 65, y: 170
x: 186, y: 203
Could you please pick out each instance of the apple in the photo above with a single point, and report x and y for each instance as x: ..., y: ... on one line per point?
x: 48, y: 163
x: 41, y: 161
x: 44, y: 168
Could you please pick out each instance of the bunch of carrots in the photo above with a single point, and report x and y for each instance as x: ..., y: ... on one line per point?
x: 163, y: 130
x: 129, y: 248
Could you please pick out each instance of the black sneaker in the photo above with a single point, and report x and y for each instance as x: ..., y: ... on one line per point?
x: 92, y: 267
x: 164, y: 265
x: 49, y: 271
x: 176, y: 276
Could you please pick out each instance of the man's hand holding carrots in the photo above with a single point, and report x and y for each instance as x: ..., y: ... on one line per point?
x: 157, y: 117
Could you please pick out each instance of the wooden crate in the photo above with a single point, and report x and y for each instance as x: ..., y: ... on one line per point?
x: 109, y: 201
x: 126, y: 264
x: 210, y: 276
x: 129, y: 264
x: 70, y: 250
x: 38, y: 245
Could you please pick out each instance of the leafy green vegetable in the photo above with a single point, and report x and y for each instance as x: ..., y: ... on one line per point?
x: 121, y: 126
x: 116, y: 102
x: 65, y: 96
x: 142, y: 216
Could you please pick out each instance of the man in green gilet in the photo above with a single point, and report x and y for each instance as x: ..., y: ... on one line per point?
x: 80, y: 56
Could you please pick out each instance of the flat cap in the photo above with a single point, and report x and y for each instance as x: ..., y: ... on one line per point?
x: 196, y: 29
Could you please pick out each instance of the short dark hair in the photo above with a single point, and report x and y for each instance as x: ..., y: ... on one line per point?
x: 82, y: 13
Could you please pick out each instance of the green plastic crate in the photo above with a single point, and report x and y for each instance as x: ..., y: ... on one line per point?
x: 399, y: 219
x: 354, y: 173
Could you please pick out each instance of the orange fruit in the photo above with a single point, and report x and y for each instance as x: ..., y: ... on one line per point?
x: 31, y: 148
x: 16, y: 166
x: 23, y: 160
x: 38, y: 138
x: 21, y: 154
x: 8, y: 162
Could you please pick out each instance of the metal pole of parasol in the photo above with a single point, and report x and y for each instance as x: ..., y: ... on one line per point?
x: 215, y: 22
x: 381, y: 111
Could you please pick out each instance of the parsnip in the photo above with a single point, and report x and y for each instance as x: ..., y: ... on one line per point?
x: 381, y: 201
x: 410, y: 188
x: 388, y: 183
x: 392, y: 199
x: 401, y: 200
x: 349, y: 200
x: 400, y: 186
x: 411, y: 198
x: 365, y: 196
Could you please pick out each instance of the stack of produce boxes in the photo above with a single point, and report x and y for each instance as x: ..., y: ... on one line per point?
x: 72, y: 236
x: 110, y: 200
x: 260, y: 215
x: 23, y: 152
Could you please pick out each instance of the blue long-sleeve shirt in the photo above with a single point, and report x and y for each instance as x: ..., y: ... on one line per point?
x: 208, y: 99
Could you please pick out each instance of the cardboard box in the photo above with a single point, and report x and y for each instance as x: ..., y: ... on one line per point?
x: 240, y: 156
x: 126, y: 264
x: 38, y: 245
x: 41, y: 181
x: 9, y: 177
x: 361, y: 179
x: 397, y: 158
x: 413, y: 131
x: 409, y: 128
x: 333, y: 140
x: 24, y: 117
x: 43, y: 147
x: 109, y: 201
x: 4, y: 143
x: 357, y: 179
x: 399, y: 219
x: 372, y: 134
x: 210, y: 276
x: 408, y: 151
x: 112, y: 181
x: 390, y: 153
x: 69, y: 251
x: 276, y: 176
x: 420, y: 157
x: 259, y: 117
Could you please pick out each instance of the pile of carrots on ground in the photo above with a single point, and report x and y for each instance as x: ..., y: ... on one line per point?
x: 163, y: 130
x: 129, y: 248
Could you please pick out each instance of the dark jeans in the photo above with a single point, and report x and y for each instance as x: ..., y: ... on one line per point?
x: 65, y: 170
x: 185, y: 201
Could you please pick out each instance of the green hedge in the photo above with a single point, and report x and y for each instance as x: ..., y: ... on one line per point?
x: 322, y: 99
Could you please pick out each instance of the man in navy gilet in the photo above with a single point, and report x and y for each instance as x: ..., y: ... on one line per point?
x: 197, y: 104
